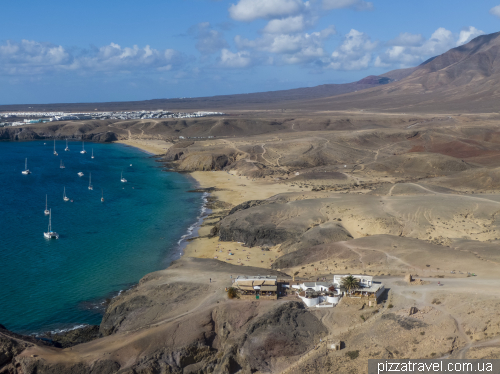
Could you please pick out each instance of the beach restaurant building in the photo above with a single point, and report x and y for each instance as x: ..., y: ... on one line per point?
x: 257, y: 287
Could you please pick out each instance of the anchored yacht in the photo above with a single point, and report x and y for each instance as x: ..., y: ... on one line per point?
x: 123, y: 179
x: 90, y: 182
x: 83, y: 148
x: 26, y: 170
x: 50, y: 234
x: 65, y: 198
x: 55, y: 153
x: 67, y: 148
x: 46, y: 211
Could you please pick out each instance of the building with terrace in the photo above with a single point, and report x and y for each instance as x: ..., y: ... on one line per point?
x: 257, y: 287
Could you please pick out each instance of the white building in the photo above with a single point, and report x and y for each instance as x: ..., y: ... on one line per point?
x: 328, y: 294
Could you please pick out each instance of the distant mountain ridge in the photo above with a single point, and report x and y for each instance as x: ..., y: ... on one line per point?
x: 464, y: 79
x: 225, y: 101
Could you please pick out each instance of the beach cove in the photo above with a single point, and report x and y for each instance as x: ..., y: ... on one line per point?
x: 104, y: 247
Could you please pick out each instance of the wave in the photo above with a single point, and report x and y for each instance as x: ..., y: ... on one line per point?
x: 193, y: 229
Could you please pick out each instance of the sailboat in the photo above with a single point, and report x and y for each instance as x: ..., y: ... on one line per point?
x: 123, y: 179
x: 92, y: 153
x: 90, y: 182
x: 67, y: 148
x: 50, y: 234
x: 55, y: 153
x: 46, y: 211
x: 65, y: 198
x: 26, y: 170
x: 80, y: 174
x: 83, y: 148
x: 62, y: 165
x: 102, y: 198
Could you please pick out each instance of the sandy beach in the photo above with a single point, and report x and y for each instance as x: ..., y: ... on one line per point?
x: 156, y: 147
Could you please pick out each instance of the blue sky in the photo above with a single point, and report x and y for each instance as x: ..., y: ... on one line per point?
x: 110, y: 50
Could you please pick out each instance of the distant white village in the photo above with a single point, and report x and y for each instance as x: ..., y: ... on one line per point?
x: 42, y: 117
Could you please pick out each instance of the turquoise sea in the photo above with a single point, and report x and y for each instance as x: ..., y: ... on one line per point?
x: 104, y: 247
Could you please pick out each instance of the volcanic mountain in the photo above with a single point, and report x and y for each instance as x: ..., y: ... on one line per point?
x: 464, y: 79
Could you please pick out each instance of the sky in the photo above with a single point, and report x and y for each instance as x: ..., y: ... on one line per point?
x: 57, y: 51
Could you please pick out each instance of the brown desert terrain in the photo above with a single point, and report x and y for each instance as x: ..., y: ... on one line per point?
x: 410, y: 188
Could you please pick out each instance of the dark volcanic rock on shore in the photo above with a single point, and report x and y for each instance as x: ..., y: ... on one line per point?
x: 295, y: 224
x: 76, y: 336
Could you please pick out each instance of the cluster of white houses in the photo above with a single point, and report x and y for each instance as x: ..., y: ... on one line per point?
x: 313, y: 294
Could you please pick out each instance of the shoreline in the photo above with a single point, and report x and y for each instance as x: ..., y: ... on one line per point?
x: 152, y: 147
x: 229, y: 190
x: 177, y: 250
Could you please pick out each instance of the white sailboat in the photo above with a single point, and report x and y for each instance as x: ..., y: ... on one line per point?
x: 90, y: 182
x: 67, y: 148
x: 123, y: 179
x: 65, y: 198
x: 55, y: 153
x: 102, y: 198
x: 50, y: 234
x: 26, y: 170
x: 83, y: 148
x: 46, y: 211
x: 62, y: 165
x: 92, y: 153
x: 80, y: 174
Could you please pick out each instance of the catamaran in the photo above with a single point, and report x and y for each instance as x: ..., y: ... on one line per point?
x: 55, y: 153
x: 65, y: 198
x: 92, y: 153
x: 26, y: 170
x: 67, y: 148
x: 62, y: 165
x: 50, y: 234
x: 80, y: 174
x: 90, y: 182
x: 123, y: 179
x: 83, y: 148
x: 46, y: 211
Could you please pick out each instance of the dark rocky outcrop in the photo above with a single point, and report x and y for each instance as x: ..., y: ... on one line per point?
x: 76, y: 336
x: 204, y: 162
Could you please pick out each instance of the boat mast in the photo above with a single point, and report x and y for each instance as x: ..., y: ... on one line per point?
x: 50, y: 220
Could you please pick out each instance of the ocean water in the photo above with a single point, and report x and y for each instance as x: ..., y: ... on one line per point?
x: 104, y: 247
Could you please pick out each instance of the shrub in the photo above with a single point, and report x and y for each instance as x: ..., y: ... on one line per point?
x: 232, y: 293
x: 352, y: 354
x: 390, y: 306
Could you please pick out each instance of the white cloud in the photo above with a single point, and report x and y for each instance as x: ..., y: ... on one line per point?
x: 208, y: 40
x: 235, y: 60
x: 467, y: 34
x: 495, y: 11
x: 31, y: 53
x: 285, y: 25
x: 355, y: 53
x: 30, y: 57
x: 293, y: 48
x: 250, y: 10
x: 410, y: 50
x: 355, y: 4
